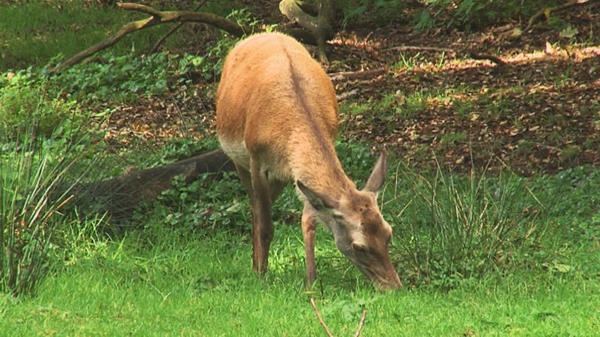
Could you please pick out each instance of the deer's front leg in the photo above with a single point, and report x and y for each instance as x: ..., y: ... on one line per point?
x: 262, y: 225
x: 309, y: 226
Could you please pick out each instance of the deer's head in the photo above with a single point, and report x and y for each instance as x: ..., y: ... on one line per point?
x: 360, y: 231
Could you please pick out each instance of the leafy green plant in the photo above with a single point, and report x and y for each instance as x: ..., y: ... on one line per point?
x: 207, y: 203
x: 22, y: 102
x: 381, y: 11
x: 471, y: 13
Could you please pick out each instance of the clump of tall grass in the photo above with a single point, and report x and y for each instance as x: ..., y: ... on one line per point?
x: 454, y: 227
x: 28, y: 213
x: 43, y: 156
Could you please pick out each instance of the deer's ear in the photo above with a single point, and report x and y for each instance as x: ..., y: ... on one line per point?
x: 321, y: 202
x: 378, y: 175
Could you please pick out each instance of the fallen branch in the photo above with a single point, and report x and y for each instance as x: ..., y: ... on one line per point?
x: 119, y: 196
x: 546, y: 11
x: 314, y: 305
x: 362, y: 321
x: 157, y: 18
x: 315, y: 36
x: 173, y: 30
x: 352, y: 75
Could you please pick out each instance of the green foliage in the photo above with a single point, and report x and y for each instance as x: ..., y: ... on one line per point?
x: 120, y: 77
x: 23, y: 104
x: 192, y: 209
x: 469, y: 14
x: 382, y: 11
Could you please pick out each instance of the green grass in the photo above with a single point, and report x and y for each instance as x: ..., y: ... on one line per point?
x: 184, y: 272
x: 205, y: 287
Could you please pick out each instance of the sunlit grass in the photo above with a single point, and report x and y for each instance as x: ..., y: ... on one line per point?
x: 200, y: 288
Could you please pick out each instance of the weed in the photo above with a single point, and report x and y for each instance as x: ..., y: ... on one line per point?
x: 454, y: 137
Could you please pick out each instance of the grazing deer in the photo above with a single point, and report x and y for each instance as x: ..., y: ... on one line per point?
x: 277, y: 119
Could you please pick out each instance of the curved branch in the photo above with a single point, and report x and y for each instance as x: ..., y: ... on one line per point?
x: 315, y: 30
x: 172, y: 30
x: 157, y: 18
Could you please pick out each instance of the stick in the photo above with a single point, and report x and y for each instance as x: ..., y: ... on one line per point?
x: 362, y: 321
x: 172, y: 30
x: 489, y: 57
x: 335, y: 77
x: 314, y: 305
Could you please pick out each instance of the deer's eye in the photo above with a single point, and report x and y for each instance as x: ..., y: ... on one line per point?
x: 359, y: 248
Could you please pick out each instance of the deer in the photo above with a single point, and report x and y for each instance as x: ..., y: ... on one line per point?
x: 277, y: 119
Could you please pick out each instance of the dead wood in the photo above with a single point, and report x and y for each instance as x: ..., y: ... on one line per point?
x: 495, y: 59
x: 157, y: 18
x: 318, y: 26
x: 356, y: 75
x: 173, y: 30
x: 315, y: 31
x: 346, y: 95
x: 119, y: 196
x: 545, y: 12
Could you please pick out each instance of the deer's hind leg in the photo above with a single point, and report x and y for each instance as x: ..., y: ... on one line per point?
x: 257, y: 185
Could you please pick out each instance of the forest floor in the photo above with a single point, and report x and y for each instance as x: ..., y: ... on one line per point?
x: 534, y: 108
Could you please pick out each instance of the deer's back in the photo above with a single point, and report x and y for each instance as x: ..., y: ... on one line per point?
x: 274, y: 98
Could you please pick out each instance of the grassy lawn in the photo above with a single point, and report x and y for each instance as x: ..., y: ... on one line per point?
x: 205, y: 288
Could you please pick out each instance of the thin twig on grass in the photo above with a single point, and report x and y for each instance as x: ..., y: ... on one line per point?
x: 314, y: 305
x: 362, y: 321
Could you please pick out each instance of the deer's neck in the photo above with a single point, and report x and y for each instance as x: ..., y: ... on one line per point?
x: 315, y: 163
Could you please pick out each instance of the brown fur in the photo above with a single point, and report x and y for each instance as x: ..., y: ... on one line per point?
x: 277, y: 119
